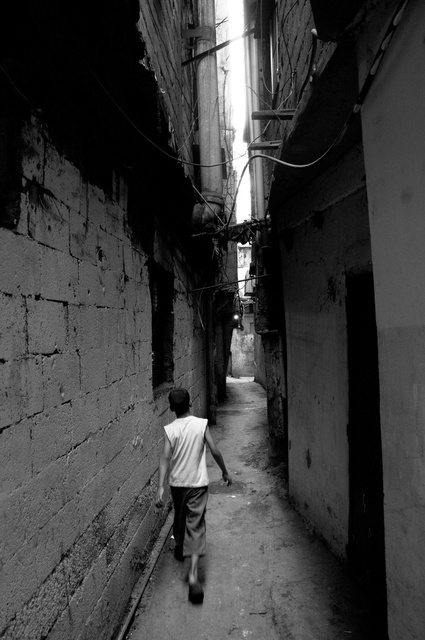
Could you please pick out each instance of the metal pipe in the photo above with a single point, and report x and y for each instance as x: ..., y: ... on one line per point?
x: 208, y: 104
x: 211, y: 176
x: 199, y: 56
x: 256, y: 132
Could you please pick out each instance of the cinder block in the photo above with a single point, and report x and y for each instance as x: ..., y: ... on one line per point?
x: 19, y: 264
x: 113, y: 250
x: 91, y: 327
x: 72, y: 326
x: 85, y: 417
x: 93, y: 369
x: 61, y: 378
x: 38, y: 615
x: 144, y: 324
x: 51, y: 543
x: 144, y: 357
x: 115, y: 356
x: 114, y: 218
x: 91, y: 285
x: 51, y: 434
x: 15, y: 456
x: 33, y: 385
x: 93, y: 498
x: 59, y: 275
x: 136, y: 297
x: 121, y: 580
x: 84, y: 239
x: 85, y: 461
x: 108, y: 320
x: 40, y: 554
x: 48, y: 219
x: 125, y: 325
x: 12, y: 400
x: 125, y: 499
x: 128, y: 392
x: 21, y: 391
x: 22, y: 227
x: 18, y: 584
x: 62, y: 178
x: 30, y: 507
x: 12, y: 327
x: 131, y: 361
x: 113, y: 289
x: 46, y: 326
x: 32, y: 155
x: 109, y: 403
x: 134, y: 262
x: 71, y: 623
x: 96, y: 206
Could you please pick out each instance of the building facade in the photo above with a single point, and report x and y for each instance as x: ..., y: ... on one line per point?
x: 341, y: 111
x: 102, y: 301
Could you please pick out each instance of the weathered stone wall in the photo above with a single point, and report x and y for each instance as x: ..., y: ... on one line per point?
x: 80, y: 426
x: 328, y: 229
x: 161, y: 25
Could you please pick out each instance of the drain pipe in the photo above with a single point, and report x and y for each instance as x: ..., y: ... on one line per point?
x: 211, y: 176
x: 208, y: 110
x: 256, y: 132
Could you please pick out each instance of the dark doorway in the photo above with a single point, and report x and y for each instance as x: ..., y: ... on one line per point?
x: 366, y: 543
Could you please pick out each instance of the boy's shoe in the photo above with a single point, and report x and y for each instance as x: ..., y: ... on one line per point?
x: 196, y: 593
x: 178, y: 554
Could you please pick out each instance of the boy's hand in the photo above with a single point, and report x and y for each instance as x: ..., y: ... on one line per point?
x: 227, y: 478
x: 159, y: 495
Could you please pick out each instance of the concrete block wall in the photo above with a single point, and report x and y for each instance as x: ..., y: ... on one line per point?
x: 329, y: 223
x: 80, y: 426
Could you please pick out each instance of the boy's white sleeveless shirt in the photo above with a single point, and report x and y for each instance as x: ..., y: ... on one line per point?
x: 188, y: 466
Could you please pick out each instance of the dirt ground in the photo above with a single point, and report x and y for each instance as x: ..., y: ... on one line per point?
x: 265, y: 576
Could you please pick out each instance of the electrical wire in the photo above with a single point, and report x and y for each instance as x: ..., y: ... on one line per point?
x: 225, y: 284
x: 207, y: 203
x: 140, y: 132
x: 395, y: 21
x: 126, y: 117
x: 14, y: 85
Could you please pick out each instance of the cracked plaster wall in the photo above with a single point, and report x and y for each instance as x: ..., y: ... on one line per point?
x: 394, y: 130
x: 329, y: 236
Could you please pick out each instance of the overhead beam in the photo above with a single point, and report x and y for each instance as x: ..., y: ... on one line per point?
x: 276, y: 114
x: 187, y: 33
x: 267, y: 145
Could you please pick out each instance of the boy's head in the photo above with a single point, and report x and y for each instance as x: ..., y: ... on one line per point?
x: 179, y: 400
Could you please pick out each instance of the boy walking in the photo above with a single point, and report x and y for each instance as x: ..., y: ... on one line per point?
x: 184, y: 454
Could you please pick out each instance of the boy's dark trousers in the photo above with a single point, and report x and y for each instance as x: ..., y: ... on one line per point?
x: 190, y: 505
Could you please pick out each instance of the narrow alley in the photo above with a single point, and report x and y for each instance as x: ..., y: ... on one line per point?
x: 265, y: 574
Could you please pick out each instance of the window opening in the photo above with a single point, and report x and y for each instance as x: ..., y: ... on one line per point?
x: 162, y: 298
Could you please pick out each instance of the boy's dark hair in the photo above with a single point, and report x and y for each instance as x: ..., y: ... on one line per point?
x: 179, y: 400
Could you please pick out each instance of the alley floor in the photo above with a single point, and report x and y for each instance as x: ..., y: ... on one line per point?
x: 265, y: 575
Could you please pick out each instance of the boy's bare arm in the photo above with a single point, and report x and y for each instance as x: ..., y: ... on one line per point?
x: 162, y: 472
x: 216, y: 454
